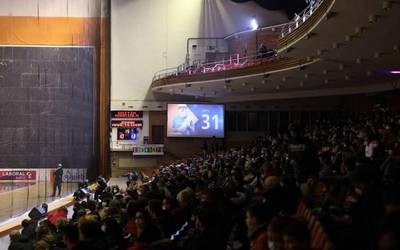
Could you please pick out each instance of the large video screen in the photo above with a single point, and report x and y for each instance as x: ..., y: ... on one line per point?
x: 195, y: 120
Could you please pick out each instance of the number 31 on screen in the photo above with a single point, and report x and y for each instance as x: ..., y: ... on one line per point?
x: 206, y: 121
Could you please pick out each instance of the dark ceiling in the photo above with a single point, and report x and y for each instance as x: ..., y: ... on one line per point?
x: 290, y: 6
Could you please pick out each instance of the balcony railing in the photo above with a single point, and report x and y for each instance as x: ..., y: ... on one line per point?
x: 303, y: 23
x: 233, y: 62
x: 300, y: 18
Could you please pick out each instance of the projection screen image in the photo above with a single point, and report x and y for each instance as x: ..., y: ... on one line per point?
x: 195, y: 120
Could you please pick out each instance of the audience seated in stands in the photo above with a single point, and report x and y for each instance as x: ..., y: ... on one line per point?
x: 346, y: 171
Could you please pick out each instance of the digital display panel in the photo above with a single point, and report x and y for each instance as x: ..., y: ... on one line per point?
x: 195, y: 120
x: 126, y: 124
x: 131, y: 134
x: 126, y: 114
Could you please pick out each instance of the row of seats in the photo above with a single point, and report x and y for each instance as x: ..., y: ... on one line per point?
x: 319, y: 238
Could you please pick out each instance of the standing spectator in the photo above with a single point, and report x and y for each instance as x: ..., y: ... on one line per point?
x: 58, y: 174
x: 102, y: 184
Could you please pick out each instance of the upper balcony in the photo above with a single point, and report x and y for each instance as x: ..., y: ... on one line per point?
x: 338, y: 47
x: 244, y: 53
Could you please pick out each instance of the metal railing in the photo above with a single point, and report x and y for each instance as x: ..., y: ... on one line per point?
x: 233, y: 62
x: 248, y: 60
x: 300, y: 18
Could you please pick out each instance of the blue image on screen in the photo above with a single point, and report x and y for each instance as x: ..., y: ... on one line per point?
x: 128, y: 134
x: 202, y: 120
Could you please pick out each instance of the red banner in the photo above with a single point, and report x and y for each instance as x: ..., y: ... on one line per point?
x: 17, y: 175
x: 126, y: 114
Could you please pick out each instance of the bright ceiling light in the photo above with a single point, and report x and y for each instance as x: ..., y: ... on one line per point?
x: 253, y: 24
x: 395, y: 72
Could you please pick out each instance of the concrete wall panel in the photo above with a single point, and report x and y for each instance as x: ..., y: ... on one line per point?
x: 46, y: 111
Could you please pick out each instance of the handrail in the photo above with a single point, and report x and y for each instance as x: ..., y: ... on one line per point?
x: 204, y: 68
x: 301, y: 17
x: 254, y: 67
x: 286, y: 29
x: 272, y: 28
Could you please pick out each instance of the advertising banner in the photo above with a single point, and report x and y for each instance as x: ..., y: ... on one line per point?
x: 17, y: 175
x: 74, y: 174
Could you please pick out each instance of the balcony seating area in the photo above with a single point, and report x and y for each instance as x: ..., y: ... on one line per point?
x: 277, y: 39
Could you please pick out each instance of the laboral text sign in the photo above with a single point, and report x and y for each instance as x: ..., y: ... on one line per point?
x: 17, y: 175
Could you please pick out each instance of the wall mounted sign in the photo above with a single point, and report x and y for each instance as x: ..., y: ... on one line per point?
x: 17, y: 175
x: 126, y: 114
x: 126, y: 124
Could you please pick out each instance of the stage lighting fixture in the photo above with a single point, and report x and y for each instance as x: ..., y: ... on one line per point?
x: 254, y: 24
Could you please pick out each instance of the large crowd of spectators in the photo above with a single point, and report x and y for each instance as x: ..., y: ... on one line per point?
x: 346, y: 170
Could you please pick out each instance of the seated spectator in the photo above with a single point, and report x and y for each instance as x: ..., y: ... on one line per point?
x: 275, y: 232
x: 296, y: 236
x: 182, y: 213
x: 92, y: 237
x: 147, y: 231
x: 45, y: 235
x: 28, y: 229
x: 207, y: 234
x: 257, y: 219
x: 162, y: 218
x: 388, y: 237
x: 129, y: 223
x: 71, y: 236
x: 391, y: 200
x: 113, y: 233
x: 92, y: 207
x: 169, y: 204
x: 59, y: 213
x: 58, y: 233
x: 19, y: 241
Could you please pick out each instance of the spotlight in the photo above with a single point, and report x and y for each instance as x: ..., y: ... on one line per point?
x: 253, y: 24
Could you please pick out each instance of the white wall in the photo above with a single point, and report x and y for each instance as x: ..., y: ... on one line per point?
x: 150, y: 35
